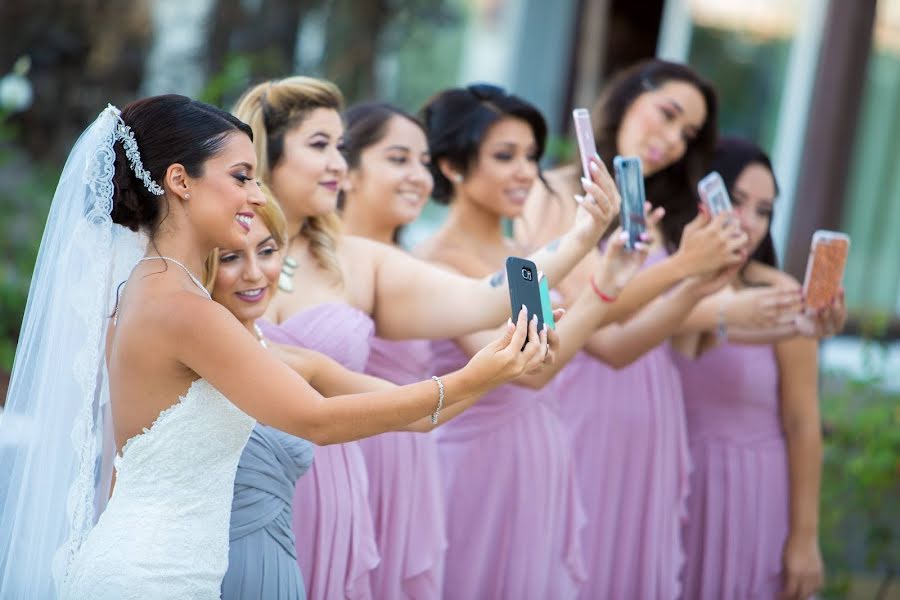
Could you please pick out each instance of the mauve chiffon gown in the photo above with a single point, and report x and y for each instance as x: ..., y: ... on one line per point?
x: 738, y: 510
x: 629, y: 435
x: 332, y: 521
x: 405, y: 488
x: 514, y: 511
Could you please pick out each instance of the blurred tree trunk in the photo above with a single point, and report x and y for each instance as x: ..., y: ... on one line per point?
x: 84, y: 53
x: 353, y: 33
x: 267, y: 37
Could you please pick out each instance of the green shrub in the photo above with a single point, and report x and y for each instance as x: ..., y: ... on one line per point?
x: 860, y: 521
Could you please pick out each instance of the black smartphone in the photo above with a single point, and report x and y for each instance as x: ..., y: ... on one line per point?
x: 524, y: 288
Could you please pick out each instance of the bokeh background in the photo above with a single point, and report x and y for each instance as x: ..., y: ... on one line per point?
x: 815, y: 82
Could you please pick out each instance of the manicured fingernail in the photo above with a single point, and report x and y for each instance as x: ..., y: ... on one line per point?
x: 594, y: 167
x: 597, y: 156
x: 544, y: 328
x: 623, y: 236
x: 585, y: 181
x: 524, y: 309
x: 579, y: 199
x: 645, y: 236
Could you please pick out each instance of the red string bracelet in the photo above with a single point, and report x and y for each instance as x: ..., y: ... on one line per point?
x: 600, y: 294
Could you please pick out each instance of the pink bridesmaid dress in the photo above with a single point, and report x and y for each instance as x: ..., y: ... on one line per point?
x: 738, y: 510
x: 405, y: 488
x: 513, y: 507
x: 629, y: 435
x: 332, y: 521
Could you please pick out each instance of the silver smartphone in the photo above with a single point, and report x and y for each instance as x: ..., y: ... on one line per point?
x: 630, y: 181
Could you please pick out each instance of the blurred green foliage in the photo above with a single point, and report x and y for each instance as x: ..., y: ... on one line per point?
x: 748, y: 73
x: 860, y: 520
x: 25, y: 197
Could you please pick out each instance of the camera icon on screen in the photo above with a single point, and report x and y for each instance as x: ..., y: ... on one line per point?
x: 526, y: 274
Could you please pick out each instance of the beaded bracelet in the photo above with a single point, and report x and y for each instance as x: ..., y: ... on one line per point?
x: 440, y: 405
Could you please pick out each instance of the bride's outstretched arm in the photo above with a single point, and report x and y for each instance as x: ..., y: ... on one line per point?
x: 208, y: 340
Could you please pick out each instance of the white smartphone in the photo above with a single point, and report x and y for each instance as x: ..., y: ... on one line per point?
x: 825, y: 267
x: 713, y: 193
x: 584, y: 133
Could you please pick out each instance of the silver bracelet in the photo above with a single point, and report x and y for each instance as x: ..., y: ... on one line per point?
x: 437, y: 411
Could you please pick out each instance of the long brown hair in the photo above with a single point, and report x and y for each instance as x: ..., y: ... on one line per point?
x: 673, y: 188
x: 273, y: 109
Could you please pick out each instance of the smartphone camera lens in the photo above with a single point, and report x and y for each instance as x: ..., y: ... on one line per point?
x: 526, y: 273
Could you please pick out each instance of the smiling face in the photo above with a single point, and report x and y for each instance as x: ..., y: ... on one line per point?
x: 311, y: 169
x: 392, y: 182
x: 247, y: 274
x: 753, y: 197
x: 660, y: 124
x: 505, y: 169
x: 222, y: 198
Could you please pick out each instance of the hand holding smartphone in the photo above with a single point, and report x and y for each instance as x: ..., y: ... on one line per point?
x: 713, y: 193
x: 825, y: 268
x: 524, y: 288
x: 630, y: 181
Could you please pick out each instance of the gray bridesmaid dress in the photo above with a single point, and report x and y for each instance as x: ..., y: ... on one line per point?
x: 262, y: 557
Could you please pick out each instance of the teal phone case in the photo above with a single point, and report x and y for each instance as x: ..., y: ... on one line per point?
x: 546, y: 305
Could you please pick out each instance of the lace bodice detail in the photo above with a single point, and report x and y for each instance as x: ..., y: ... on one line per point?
x: 165, y: 530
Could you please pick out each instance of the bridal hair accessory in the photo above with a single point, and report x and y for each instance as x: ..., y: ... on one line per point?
x: 124, y: 133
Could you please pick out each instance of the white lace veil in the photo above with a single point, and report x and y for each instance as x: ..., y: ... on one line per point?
x: 56, y: 444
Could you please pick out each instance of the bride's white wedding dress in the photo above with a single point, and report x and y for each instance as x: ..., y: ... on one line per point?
x: 164, y: 533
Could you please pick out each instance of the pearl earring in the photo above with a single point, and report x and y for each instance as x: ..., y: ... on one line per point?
x: 457, y: 178
x: 187, y: 196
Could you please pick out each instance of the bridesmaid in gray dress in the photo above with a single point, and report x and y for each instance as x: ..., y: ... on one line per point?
x: 262, y: 559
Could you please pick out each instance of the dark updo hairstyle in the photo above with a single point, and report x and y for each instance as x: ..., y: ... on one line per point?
x: 732, y: 156
x: 673, y: 188
x: 457, y: 119
x: 168, y: 129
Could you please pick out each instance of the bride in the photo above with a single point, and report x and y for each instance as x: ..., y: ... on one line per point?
x: 155, y: 373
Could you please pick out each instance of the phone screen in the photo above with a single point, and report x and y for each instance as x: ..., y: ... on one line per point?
x: 630, y: 181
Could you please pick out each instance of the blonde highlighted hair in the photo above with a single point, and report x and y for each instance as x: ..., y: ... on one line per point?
x: 271, y: 216
x: 274, y: 108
